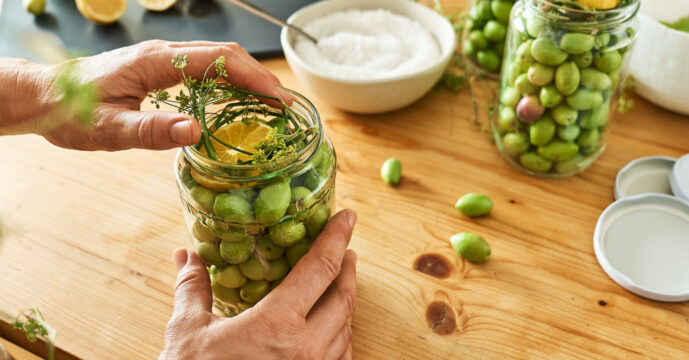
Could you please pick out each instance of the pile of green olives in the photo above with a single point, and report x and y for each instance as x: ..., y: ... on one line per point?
x: 251, y: 237
x: 485, y: 33
x: 558, y: 85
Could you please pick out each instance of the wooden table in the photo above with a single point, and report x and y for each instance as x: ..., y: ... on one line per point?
x: 87, y: 238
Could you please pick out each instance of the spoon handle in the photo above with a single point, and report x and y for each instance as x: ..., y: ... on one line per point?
x: 269, y: 17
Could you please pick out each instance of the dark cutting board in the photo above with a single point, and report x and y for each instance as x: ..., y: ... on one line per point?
x: 212, y: 20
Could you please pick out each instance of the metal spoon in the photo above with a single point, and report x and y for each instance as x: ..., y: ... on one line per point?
x: 270, y: 18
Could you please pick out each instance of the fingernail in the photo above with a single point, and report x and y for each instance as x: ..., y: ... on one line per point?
x: 351, y: 218
x: 180, y: 257
x: 180, y: 132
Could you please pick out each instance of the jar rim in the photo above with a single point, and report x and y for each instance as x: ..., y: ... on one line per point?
x: 617, y: 14
x: 300, y: 104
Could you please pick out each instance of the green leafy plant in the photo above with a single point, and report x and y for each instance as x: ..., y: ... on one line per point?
x: 290, y: 132
x: 33, y: 325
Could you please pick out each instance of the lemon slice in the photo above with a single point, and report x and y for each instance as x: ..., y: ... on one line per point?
x: 156, y: 5
x: 102, y: 11
x: 241, y: 136
x: 600, y: 4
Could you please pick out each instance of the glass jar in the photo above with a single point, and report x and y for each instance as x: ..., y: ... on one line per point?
x: 559, y: 84
x: 251, y: 224
x: 484, y: 38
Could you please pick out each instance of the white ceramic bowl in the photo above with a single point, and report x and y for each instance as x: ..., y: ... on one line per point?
x: 375, y: 95
x: 659, y: 60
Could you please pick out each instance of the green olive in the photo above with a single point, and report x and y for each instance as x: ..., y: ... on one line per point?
x: 229, y: 276
x: 267, y: 249
x: 534, y: 25
x: 584, y: 99
x: 237, y: 252
x: 510, y: 96
x: 277, y: 269
x: 254, y: 290
x: 488, y: 59
x: 501, y: 10
x: 508, y: 119
x: 588, y: 138
x: 494, y: 31
x: 608, y: 61
x: 391, y: 171
x: 567, y: 78
x: 541, y: 131
x: 576, y: 43
x: 317, y: 221
x: 314, y: 179
x: 595, y: 80
x: 540, y: 74
x: 474, y: 204
x: 287, y: 233
x: 524, y: 86
x: 202, y: 233
x: 568, y: 132
x: 558, y: 150
x: 564, y: 115
x: 272, y: 202
x: 568, y: 166
x: 550, y: 96
x: 471, y: 246
x: 226, y: 295
x: 545, y: 51
x: 535, y: 162
x: 295, y: 252
x: 478, y: 40
x: 583, y: 60
x: 468, y: 48
x: 254, y: 268
x: 233, y: 208
x: 204, y: 197
x: 515, y: 143
x: 209, y: 253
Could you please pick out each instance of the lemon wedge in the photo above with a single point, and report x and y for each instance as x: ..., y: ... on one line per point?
x: 102, y: 11
x: 241, y: 136
x: 600, y: 4
x: 156, y: 5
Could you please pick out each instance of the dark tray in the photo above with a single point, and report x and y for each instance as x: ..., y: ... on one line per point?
x: 212, y: 20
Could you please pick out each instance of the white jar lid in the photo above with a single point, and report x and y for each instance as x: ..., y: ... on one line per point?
x: 679, y: 179
x: 645, y: 175
x: 642, y: 243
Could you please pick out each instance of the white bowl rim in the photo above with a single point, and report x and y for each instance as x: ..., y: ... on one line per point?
x: 443, y: 59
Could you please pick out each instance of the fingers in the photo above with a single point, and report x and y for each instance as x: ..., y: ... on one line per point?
x: 243, y: 70
x: 193, y: 288
x: 348, y: 353
x: 314, y: 273
x: 341, y: 343
x: 119, y: 129
x: 333, y: 312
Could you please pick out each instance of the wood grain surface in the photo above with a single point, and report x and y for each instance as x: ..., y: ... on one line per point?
x: 87, y: 238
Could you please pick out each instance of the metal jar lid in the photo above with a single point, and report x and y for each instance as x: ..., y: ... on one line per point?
x: 642, y: 239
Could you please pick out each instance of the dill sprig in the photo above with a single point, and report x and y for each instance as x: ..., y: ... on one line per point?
x: 290, y: 131
x: 33, y: 325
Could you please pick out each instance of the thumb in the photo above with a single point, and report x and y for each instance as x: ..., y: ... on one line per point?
x: 193, y: 289
x: 155, y: 130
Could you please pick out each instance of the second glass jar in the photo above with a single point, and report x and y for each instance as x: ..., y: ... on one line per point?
x: 559, y: 82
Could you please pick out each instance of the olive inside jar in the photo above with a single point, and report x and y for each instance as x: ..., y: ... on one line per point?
x: 559, y: 83
x: 252, y: 223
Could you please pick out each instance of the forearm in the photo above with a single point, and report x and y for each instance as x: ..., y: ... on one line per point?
x: 26, y: 95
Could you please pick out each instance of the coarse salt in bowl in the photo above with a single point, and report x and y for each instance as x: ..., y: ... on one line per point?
x: 373, y: 56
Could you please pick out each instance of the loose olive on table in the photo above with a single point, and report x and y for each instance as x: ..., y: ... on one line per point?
x: 559, y: 80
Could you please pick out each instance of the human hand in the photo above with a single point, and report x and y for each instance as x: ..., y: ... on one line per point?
x: 123, y: 77
x: 308, y: 316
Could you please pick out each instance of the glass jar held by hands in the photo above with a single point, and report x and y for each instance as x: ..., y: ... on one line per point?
x: 559, y: 82
x: 252, y: 223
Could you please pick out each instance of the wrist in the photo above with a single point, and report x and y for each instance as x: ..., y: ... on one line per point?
x: 26, y: 93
